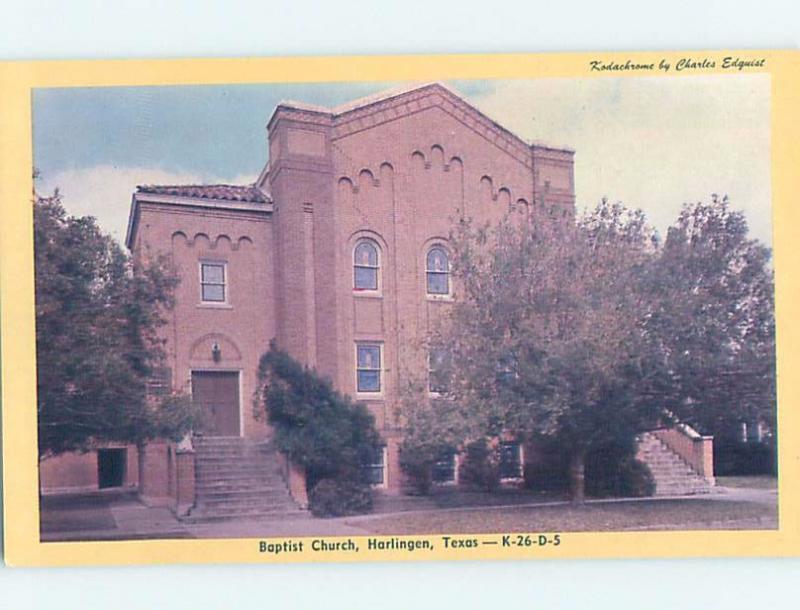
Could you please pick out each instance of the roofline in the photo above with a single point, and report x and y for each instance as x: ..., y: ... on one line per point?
x: 184, y: 201
x: 365, y: 102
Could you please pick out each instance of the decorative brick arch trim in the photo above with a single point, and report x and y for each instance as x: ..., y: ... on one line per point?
x: 201, y: 348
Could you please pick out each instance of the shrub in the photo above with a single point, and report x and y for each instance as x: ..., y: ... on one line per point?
x: 319, y: 429
x: 635, y: 479
x: 548, y: 470
x: 734, y: 458
x: 613, y: 470
x: 417, y: 464
x: 339, y: 498
x: 481, y: 466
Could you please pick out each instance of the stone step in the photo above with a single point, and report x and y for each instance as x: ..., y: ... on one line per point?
x: 233, y: 474
x: 672, y: 475
x: 240, y: 479
x: 217, y: 484
x: 239, y: 507
x: 236, y: 478
x: 213, y: 470
x: 222, y: 460
x: 198, y: 516
x: 233, y: 494
x: 231, y: 465
x: 220, y: 504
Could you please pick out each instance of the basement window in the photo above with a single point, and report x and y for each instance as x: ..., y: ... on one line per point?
x: 510, y: 460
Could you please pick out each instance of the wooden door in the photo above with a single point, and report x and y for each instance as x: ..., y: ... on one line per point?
x: 217, y: 393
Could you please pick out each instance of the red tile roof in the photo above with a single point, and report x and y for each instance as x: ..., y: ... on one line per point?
x: 227, y: 192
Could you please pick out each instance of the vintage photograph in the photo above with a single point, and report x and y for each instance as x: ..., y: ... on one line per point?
x: 393, y: 309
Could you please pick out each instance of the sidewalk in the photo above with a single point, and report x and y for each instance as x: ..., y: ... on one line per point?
x: 105, y: 515
x: 120, y: 516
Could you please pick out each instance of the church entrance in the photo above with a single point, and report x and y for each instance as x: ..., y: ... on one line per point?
x: 217, y: 394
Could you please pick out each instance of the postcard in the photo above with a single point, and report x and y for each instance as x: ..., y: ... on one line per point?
x: 346, y: 309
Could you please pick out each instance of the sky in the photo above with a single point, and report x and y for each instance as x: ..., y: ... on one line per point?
x: 653, y: 143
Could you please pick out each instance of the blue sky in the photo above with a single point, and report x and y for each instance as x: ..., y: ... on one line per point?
x: 214, y: 130
x: 652, y: 143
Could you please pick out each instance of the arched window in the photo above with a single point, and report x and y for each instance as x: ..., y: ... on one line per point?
x: 437, y: 270
x: 365, y: 265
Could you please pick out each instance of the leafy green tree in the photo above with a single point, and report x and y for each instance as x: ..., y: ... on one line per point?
x: 547, y: 334
x: 431, y: 428
x: 715, y: 319
x: 317, y: 427
x: 97, y: 319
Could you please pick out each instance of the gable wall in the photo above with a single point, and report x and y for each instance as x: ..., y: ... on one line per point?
x: 244, y: 325
x: 403, y: 183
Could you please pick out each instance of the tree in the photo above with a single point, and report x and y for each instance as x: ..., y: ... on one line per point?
x: 316, y: 426
x: 716, y: 320
x: 432, y: 427
x: 548, y: 332
x: 97, y: 319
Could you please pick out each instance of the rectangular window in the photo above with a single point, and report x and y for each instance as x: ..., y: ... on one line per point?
x: 510, y: 460
x: 438, y: 370
x: 437, y: 282
x: 444, y: 469
x: 372, y: 471
x: 212, y: 282
x: 368, y: 368
x: 159, y: 384
x: 366, y: 278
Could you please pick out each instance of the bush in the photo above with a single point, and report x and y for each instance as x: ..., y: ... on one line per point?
x: 417, y: 464
x: 612, y: 470
x: 735, y: 458
x: 339, y: 498
x: 548, y: 470
x: 319, y: 429
x: 481, y: 466
x: 635, y: 479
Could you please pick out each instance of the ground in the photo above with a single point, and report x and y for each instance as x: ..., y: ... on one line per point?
x: 667, y: 514
x: 749, y: 482
x: 736, y: 504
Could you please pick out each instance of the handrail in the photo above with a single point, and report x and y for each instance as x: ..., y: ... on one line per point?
x: 691, y: 446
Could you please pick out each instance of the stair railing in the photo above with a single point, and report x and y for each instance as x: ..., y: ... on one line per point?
x: 694, y: 448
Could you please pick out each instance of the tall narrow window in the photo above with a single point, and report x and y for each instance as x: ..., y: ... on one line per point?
x: 365, y: 266
x: 438, y: 369
x: 368, y: 368
x: 444, y: 468
x: 437, y: 268
x: 372, y: 470
x: 510, y: 460
x: 212, y: 282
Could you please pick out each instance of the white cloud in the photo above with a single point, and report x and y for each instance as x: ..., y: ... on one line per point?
x: 652, y: 143
x: 104, y: 191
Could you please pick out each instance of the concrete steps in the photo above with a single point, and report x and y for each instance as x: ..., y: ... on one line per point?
x: 673, y: 476
x: 238, y: 479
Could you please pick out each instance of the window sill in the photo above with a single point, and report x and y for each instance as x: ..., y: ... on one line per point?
x: 214, y: 306
x: 367, y: 294
x: 440, y: 298
x: 369, y: 396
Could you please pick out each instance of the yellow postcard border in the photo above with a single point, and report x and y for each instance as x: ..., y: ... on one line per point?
x: 17, y: 336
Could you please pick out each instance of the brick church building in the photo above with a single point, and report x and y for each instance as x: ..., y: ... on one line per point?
x: 338, y: 251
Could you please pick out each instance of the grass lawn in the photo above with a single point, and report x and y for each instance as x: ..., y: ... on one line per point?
x: 681, y: 514
x: 749, y: 482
